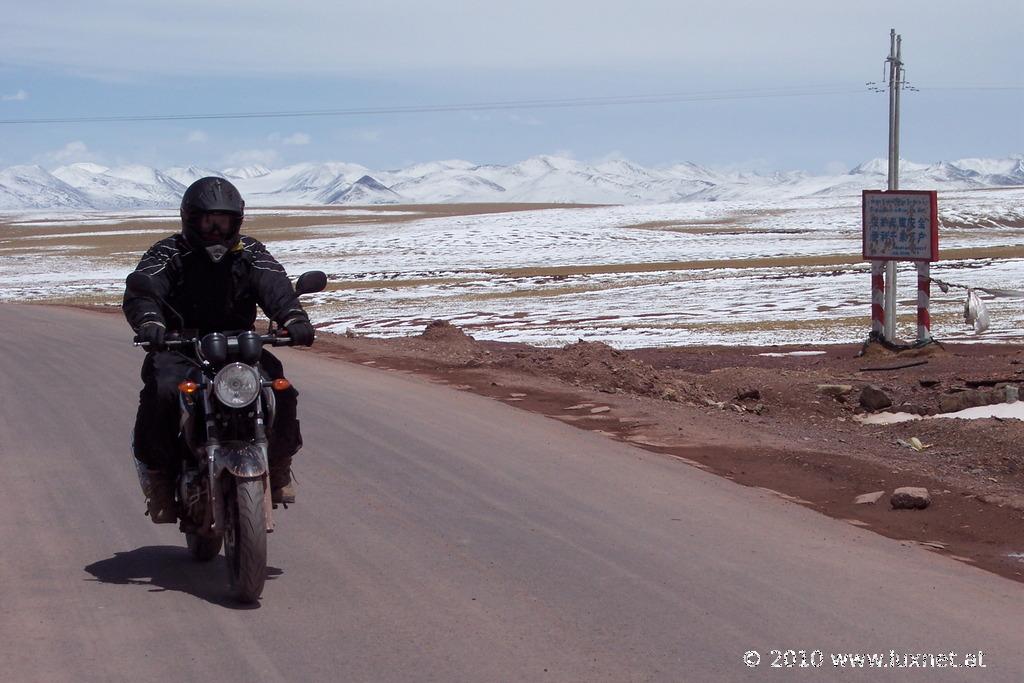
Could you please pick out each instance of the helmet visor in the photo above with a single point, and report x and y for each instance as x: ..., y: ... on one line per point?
x: 217, y: 227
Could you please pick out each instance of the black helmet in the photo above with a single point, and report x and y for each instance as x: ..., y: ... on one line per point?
x: 212, y: 195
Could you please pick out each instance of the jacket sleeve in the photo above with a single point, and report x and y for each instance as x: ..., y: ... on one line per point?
x: 274, y: 291
x: 159, y: 263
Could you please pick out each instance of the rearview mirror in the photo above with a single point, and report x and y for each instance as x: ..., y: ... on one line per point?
x: 312, y: 281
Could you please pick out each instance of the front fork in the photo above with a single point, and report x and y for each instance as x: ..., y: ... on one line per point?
x: 246, y: 460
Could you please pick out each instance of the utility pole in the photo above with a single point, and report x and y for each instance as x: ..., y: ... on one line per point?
x: 898, y: 225
x: 895, y: 63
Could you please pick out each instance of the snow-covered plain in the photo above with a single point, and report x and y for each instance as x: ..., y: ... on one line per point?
x: 731, y: 272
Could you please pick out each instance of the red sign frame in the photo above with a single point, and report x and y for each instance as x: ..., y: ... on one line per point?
x: 896, y: 230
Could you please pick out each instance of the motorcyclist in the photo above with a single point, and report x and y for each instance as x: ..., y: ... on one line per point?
x: 208, y: 278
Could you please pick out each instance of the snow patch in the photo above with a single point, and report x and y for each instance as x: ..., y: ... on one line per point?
x: 1004, y: 411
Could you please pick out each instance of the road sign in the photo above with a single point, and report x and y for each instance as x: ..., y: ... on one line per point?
x: 900, y: 225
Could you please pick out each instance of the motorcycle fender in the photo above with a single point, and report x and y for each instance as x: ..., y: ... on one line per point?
x: 270, y: 404
x: 242, y: 458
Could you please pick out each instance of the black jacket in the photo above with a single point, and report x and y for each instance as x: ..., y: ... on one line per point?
x: 212, y: 297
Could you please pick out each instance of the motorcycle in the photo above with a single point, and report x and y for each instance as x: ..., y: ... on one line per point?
x: 223, y: 489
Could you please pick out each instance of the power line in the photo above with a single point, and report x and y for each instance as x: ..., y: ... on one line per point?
x: 662, y: 98
x: 971, y: 87
x: 561, y: 103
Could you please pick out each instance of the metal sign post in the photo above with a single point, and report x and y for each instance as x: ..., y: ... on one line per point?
x: 895, y: 77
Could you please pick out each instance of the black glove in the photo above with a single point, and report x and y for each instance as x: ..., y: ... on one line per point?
x: 153, y: 333
x: 301, y: 332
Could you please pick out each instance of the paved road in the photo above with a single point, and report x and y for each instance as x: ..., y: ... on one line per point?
x: 439, y: 536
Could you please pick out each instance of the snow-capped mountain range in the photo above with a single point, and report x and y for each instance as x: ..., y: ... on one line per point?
x: 538, y: 179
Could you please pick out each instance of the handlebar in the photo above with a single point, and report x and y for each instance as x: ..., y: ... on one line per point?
x: 175, y: 341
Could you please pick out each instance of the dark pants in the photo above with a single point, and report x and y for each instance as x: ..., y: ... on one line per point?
x: 157, y: 423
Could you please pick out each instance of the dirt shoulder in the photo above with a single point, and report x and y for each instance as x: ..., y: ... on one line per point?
x: 788, y: 423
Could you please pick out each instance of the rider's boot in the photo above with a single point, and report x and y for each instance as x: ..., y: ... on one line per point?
x: 282, y: 488
x: 158, y: 487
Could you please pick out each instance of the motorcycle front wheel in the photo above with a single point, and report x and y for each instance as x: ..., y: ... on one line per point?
x: 245, y: 538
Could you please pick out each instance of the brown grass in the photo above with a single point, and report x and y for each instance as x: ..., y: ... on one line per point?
x: 1002, y: 252
x: 24, y: 238
x: 724, y: 225
x: 394, y: 284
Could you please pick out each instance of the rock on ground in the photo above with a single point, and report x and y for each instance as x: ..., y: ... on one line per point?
x: 910, y: 498
x: 872, y: 398
x: 961, y: 400
x: 836, y: 391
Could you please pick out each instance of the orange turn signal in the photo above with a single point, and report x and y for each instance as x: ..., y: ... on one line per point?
x: 188, y: 387
x: 281, y: 384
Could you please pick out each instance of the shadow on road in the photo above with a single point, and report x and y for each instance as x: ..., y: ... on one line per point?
x: 171, y: 568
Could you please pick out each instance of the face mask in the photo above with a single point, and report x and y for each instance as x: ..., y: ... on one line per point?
x: 216, y: 252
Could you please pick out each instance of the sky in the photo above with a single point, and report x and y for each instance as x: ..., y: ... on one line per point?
x: 739, y: 83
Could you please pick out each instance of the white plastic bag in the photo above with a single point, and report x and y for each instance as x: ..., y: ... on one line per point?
x: 975, y: 313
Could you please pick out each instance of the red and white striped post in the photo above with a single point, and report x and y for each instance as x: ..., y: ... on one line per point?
x: 899, y: 225
x: 878, y: 299
x: 924, y: 293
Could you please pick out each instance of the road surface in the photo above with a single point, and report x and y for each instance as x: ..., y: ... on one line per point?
x: 439, y: 536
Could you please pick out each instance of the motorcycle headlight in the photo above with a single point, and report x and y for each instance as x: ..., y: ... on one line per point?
x: 237, y: 385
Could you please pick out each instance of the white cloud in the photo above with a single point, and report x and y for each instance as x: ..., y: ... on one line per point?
x: 297, y: 139
x: 19, y: 96
x: 614, y: 155
x: 752, y: 165
x: 293, y: 139
x: 836, y: 168
x: 248, y: 157
x: 70, y: 153
x: 197, y: 136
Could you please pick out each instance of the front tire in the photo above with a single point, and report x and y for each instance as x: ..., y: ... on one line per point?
x: 245, y: 538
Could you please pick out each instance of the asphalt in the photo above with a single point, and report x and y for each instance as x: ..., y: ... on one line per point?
x: 439, y: 536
